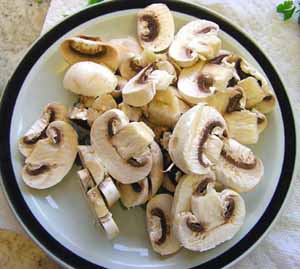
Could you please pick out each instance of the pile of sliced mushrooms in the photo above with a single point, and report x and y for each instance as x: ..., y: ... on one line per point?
x: 163, y: 120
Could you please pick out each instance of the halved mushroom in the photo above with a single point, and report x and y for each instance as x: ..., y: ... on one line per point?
x: 140, y: 192
x: 52, y: 157
x: 37, y: 131
x: 103, y: 131
x: 197, y: 83
x: 238, y: 167
x: 89, y: 79
x: 88, y: 48
x: 133, y: 113
x: 159, y: 225
x: 196, y: 40
x: 166, y: 108
x: 196, y: 141
x: 155, y: 27
x: 211, y: 218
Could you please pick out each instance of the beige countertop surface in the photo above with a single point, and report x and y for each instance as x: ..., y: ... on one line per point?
x: 21, y: 22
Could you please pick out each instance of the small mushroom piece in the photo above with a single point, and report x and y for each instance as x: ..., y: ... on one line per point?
x: 52, y: 157
x: 197, y: 83
x: 87, y: 48
x: 103, y: 131
x: 133, y: 113
x: 155, y: 27
x: 214, y: 218
x: 168, y: 67
x: 86, y: 181
x: 238, y: 168
x: 267, y: 104
x: 262, y: 120
x: 161, y: 79
x: 117, y: 92
x: 90, y: 79
x: 86, y: 101
x: 109, y: 225
x: 166, y: 108
x: 51, y: 112
x: 159, y: 225
x: 109, y: 191
x: 79, y: 115
x: 196, y: 137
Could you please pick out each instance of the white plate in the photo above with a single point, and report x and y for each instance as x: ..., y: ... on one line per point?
x: 71, y: 235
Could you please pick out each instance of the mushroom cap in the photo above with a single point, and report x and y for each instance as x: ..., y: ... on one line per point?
x: 103, y: 130
x: 155, y: 27
x: 89, y: 79
x: 238, y: 168
x: 159, y: 225
x: 87, y: 48
x: 190, y: 147
x: 128, y: 45
x: 197, y: 83
x: 52, y: 157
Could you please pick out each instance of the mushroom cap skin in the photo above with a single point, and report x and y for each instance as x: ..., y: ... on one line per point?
x: 52, y: 157
x: 190, y: 146
x: 89, y: 79
x: 51, y: 112
x: 197, y: 83
x: 88, y: 48
x: 238, y: 168
x: 125, y: 171
x: 159, y: 225
x: 214, y: 219
x: 155, y: 27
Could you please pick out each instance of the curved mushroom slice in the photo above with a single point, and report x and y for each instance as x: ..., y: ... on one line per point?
x: 159, y: 225
x: 197, y: 83
x: 90, y: 79
x: 86, y: 181
x: 52, y: 157
x: 133, y: 113
x: 109, y: 191
x: 87, y: 48
x: 51, y: 112
x: 166, y: 108
x: 238, y: 167
x: 196, y: 141
x: 215, y: 218
x: 103, y: 131
x: 267, y: 104
x: 155, y: 27
x: 168, y: 67
x: 117, y: 92
x: 161, y: 79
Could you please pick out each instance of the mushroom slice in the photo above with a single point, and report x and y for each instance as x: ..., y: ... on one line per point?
x: 109, y: 191
x: 238, y: 168
x: 52, y: 157
x: 51, y: 112
x: 79, y: 115
x: 262, y: 120
x: 86, y: 180
x: 133, y: 113
x: 109, y: 225
x: 90, y: 79
x: 117, y: 92
x: 87, y: 48
x: 213, y: 219
x: 197, y: 137
x: 161, y: 79
x: 267, y: 104
x: 168, y: 67
x: 166, y: 108
x: 159, y: 225
x: 200, y: 81
x: 128, y: 45
x: 86, y: 101
x: 155, y: 27
x: 103, y: 131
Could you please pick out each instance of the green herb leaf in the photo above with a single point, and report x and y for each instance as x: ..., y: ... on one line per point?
x: 92, y: 2
x: 281, y: 8
x: 288, y: 13
x: 38, y: 1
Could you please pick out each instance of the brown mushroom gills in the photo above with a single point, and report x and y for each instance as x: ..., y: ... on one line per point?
x: 229, y: 208
x: 204, y: 82
x: 157, y: 212
x: 218, y: 59
x: 37, y: 170
x: 152, y: 28
x: 234, y: 103
x: 202, y: 186
x: 194, y: 226
x: 238, y: 163
x: 98, y: 50
x: 136, y: 187
x: 242, y: 75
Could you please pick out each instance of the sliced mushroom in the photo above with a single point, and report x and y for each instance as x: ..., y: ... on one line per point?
x: 103, y: 131
x: 37, y: 131
x: 109, y: 191
x: 197, y: 83
x: 89, y: 79
x: 196, y: 40
x: 86, y: 101
x: 168, y: 67
x: 86, y: 180
x: 159, y: 225
x: 87, y: 48
x: 166, y: 108
x: 52, y: 157
x: 267, y: 104
x: 238, y: 168
x: 140, y: 192
x: 79, y: 115
x: 133, y: 113
x: 128, y: 44
x: 161, y: 79
x: 155, y: 27
x: 213, y: 218
x: 117, y: 92
x: 197, y: 137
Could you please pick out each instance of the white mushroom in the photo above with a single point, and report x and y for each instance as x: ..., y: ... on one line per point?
x: 52, y: 157
x: 238, y: 168
x: 128, y: 45
x: 155, y: 27
x: 89, y: 79
x: 197, y: 83
x: 196, y: 141
x: 133, y: 113
x: 159, y: 225
x: 78, y: 114
x: 117, y: 92
x: 51, y: 112
x: 103, y: 131
x: 87, y: 48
